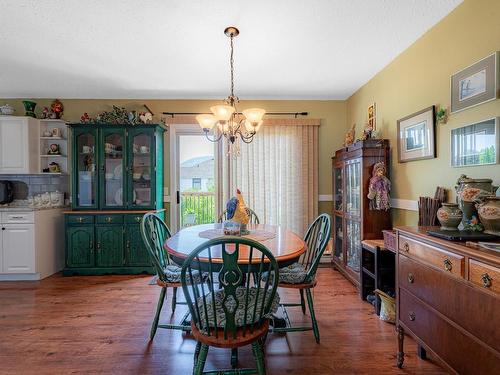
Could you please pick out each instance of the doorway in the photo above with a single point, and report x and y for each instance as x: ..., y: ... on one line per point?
x: 193, y: 171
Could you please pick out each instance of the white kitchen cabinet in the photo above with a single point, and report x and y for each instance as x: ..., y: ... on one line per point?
x: 18, y: 248
x: 19, y: 145
x: 31, y: 244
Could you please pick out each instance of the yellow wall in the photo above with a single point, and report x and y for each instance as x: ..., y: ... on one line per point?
x: 419, y: 78
x: 331, y: 113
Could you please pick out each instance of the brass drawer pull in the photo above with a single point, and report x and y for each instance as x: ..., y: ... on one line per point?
x: 406, y: 247
x: 486, y: 279
x: 109, y: 219
x: 80, y: 219
x: 411, y: 316
x: 411, y: 278
x: 447, y: 265
x: 138, y: 219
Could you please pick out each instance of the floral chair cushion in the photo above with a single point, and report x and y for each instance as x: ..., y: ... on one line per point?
x: 173, y: 274
x: 241, y: 294
x: 293, y: 274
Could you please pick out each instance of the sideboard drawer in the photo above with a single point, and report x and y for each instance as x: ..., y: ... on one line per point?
x: 133, y: 219
x: 80, y: 219
x: 466, y: 305
x: 442, y: 259
x: 463, y: 353
x: 109, y: 219
x: 484, y: 275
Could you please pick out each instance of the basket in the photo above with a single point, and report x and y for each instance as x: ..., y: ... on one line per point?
x: 387, y: 307
x: 390, y: 239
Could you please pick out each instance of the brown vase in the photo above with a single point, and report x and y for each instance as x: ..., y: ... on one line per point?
x: 489, y: 214
x: 450, y: 216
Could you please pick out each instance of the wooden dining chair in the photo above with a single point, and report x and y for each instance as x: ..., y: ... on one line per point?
x: 302, y: 274
x: 154, y: 233
x: 237, y: 313
x: 254, y: 219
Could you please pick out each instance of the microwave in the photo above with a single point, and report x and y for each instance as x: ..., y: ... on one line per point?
x: 6, y: 192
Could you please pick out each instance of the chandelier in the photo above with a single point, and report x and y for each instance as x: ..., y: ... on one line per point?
x: 225, y: 119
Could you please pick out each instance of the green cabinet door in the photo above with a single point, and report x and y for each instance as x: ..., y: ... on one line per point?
x: 80, y: 246
x: 137, y: 254
x: 109, y: 247
x: 84, y: 171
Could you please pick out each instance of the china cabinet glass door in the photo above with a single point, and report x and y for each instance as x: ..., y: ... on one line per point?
x: 142, y: 168
x: 353, y: 187
x: 338, y: 250
x: 85, y: 180
x: 353, y: 244
x: 339, y: 188
x: 112, y: 179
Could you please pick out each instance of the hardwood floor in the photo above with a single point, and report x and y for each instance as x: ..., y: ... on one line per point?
x: 100, y: 325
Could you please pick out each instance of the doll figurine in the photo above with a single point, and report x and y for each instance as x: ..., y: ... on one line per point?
x: 379, y: 188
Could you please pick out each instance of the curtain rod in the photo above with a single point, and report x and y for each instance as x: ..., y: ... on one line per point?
x: 295, y: 114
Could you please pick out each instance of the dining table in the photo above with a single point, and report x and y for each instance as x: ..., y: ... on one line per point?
x: 285, y: 245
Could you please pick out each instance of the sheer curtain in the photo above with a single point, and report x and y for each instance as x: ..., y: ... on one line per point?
x: 277, y: 173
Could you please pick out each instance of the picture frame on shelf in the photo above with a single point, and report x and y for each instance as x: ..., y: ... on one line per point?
x: 476, y: 84
x: 416, y: 136
x: 475, y: 144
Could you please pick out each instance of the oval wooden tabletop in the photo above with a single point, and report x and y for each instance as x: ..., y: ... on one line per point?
x: 285, y: 246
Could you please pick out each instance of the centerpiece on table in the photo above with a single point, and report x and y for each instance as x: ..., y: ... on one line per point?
x: 236, y: 215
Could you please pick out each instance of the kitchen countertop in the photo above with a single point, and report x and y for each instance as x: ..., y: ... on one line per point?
x: 7, y: 208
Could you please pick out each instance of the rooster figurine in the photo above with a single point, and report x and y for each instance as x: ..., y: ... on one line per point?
x: 237, y: 210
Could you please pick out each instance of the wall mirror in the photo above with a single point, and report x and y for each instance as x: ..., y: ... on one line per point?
x: 475, y: 144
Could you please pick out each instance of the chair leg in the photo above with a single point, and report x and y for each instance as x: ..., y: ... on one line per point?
x: 154, y: 327
x: 234, y: 357
x: 174, y: 299
x: 202, y: 357
x: 196, y: 353
x: 259, y: 357
x: 302, y: 301
x: 313, y: 316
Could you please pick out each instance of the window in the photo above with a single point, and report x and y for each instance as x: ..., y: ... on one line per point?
x: 196, y: 183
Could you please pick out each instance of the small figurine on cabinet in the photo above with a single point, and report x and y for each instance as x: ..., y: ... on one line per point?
x: 146, y: 117
x: 54, y: 168
x: 54, y: 149
x: 45, y: 113
x: 379, y: 188
x: 349, y: 137
x: 85, y: 118
x: 56, y: 109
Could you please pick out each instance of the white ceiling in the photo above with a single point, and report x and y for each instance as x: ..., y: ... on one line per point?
x: 287, y: 49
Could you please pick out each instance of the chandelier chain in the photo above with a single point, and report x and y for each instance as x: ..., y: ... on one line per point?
x: 231, y: 62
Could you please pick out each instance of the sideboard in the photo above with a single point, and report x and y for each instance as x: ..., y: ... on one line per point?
x: 448, y: 300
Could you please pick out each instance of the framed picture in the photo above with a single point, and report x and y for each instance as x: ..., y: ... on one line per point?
x: 475, y: 144
x: 416, y: 136
x: 476, y: 84
x: 372, y: 117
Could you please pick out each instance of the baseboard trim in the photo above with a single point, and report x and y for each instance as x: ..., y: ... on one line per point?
x: 20, y: 277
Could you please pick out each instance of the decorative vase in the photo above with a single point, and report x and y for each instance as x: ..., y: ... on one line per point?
x: 469, y: 191
x: 29, y: 106
x: 450, y: 216
x: 489, y: 214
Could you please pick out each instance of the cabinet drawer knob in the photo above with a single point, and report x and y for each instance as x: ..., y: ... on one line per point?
x: 411, y: 278
x: 406, y: 247
x: 138, y: 219
x: 109, y: 219
x: 486, y: 279
x: 448, y: 265
x: 411, y: 316
x: 80, y: 219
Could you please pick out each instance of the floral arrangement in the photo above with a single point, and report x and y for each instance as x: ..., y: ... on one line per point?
x: 118, y: 116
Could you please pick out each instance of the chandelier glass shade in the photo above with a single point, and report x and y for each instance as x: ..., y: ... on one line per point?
x: 225, y: 120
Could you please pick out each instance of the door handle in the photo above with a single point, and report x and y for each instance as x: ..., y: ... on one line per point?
x: 178, y: 197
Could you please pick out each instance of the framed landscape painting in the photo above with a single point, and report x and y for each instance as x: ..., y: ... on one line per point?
x: 476, y: 84
x: 416, y: 137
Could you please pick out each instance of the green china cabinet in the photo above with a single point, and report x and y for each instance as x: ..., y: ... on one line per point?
x: 116, y: 176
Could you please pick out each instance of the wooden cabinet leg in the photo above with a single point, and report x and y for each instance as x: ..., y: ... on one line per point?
x: 401, y: 355
x: 421, y: 352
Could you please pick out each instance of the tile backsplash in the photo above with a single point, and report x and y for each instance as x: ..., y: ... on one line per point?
x: 26, y: 185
